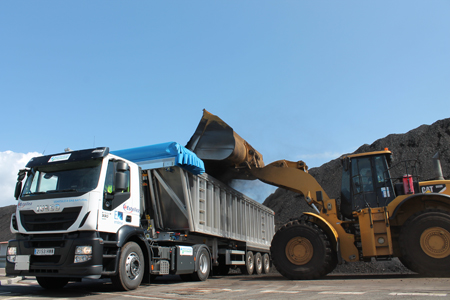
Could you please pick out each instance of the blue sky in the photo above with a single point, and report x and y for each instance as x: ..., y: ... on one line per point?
x: 299, y: 80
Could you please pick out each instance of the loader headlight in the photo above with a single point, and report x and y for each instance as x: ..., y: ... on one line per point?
x: 11, y: 253
x: 82, y: 254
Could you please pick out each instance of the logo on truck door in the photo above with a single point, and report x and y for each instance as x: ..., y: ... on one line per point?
x: 130, y: 209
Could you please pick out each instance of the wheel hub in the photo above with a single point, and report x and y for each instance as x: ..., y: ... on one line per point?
x: 299, y: 251
x: 203, y: 263
x: 435, y: 242
x: 133, y: 266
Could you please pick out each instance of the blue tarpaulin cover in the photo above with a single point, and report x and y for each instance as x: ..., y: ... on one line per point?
x: 183, y: 157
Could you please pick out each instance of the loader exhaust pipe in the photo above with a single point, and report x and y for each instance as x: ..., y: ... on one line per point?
x: 226, y: 155
x: 437, y: 167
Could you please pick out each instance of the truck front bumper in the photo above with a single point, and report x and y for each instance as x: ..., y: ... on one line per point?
x: 58, y: 258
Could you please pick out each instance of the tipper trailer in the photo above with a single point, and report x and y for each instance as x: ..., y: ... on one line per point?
x: 132, y: 215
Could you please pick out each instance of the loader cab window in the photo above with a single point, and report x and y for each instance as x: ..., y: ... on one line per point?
x: 117, y: 185
x: 362, y: 183
x: 365, y: 183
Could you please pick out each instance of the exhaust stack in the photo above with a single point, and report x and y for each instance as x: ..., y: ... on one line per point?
x: 437, y: 167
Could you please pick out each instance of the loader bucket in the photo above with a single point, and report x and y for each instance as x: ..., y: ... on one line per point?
x: 226, y: 155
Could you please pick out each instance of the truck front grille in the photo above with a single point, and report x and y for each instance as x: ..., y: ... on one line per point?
x: 32, y: 221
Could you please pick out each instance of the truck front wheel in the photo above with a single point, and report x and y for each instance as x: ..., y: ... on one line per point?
x: 131, y: 267
x: 52, y: 283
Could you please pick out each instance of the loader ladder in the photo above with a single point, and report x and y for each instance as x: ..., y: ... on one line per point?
x: 375, y: 232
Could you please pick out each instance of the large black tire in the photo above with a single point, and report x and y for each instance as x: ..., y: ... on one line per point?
x: 204, y: 265
x: 131, y: 268
x: 301, y: 250
x: 52, y: 283
x: 266, y: 263
x: 249, y: 266
x: 258, y: 264
x: 425, y: 243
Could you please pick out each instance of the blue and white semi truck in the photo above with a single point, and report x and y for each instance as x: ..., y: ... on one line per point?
x: 132, y: 215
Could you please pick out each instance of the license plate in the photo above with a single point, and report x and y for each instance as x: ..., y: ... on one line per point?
x: 44, y: 251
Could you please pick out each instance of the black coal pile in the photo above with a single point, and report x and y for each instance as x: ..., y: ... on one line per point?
x: 419, y: 144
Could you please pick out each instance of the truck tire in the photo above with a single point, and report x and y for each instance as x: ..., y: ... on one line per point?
x: 52, y: 283
x: 266, y: 263
x: 249, y: 266
x: 301, y: 250
x: 131, y: 267
x: 425, y: 243
x: 258, y: 264
x: 204, y: 265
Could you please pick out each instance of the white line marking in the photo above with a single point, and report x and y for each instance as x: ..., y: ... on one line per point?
x: 139, y: 297
x: 418, y: 294
x: 280, y: 292
x: 342, y: 293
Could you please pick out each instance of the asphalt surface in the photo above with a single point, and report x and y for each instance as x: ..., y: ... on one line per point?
x: 5, y: 280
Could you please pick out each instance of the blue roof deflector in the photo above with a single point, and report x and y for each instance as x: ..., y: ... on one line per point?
x: 159, y: 155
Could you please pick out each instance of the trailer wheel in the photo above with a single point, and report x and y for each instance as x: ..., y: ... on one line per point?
x: 131, y: 267
x: 266, y: 263
x: 52, y: 283
x: 301, y: 250
x: 425, y: 243
x: 249, y: 266
x: 204, y: 266
x: 258, y: 264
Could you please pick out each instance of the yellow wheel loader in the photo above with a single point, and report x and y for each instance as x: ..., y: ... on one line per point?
x: 380, y: 215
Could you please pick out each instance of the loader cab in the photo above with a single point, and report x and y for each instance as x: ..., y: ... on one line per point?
x: 365, y: 181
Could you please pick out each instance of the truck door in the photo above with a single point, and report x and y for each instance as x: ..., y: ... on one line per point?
x: 115, y: 192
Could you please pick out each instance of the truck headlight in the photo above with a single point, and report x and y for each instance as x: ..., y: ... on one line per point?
x: 82, y: 254
x: 11, y: 253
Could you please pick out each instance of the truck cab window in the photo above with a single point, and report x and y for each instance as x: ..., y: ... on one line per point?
x: 110, y: 187
x: 113, y: 194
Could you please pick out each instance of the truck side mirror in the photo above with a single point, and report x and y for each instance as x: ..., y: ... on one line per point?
x: 121, y: 181
x: 18, y: 190
x: 20, y: 177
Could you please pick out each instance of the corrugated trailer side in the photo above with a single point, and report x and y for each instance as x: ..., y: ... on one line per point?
x: 220, y: 210
x: 201, y: 204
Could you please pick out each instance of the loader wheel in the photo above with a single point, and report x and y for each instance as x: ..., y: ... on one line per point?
x: 425, y: 243
x: 266, y: 263
x: 52, y: 283
x: 301, y: 250
x: 131, y: 268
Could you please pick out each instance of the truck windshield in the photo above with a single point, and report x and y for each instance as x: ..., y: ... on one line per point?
x: 79, y: 177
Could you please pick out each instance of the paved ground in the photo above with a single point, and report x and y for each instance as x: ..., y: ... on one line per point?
x: 271, y: 286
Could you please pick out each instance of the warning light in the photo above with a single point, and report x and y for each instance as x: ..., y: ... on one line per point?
x: 386, y: 149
